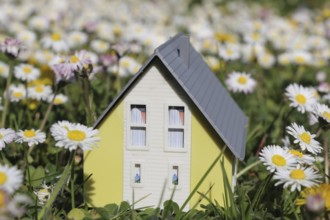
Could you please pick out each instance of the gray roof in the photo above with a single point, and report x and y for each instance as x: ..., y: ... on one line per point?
x: 204, y: 89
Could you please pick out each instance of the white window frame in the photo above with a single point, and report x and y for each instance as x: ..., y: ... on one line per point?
x: 129, y: 125
x: 142, y: 176
x: 170, y: 169
x: 185, y: 127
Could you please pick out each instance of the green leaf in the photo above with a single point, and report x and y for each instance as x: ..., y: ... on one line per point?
x: 112, y: 209
x: 76, y: 214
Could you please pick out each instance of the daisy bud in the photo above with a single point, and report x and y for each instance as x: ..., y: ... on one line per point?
x: 11, y: 47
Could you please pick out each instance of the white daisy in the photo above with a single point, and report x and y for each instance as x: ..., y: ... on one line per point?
x: 275, y: 158
x: 39, y: 92
x: 100, y: 46
x: 58, y: 100
x: 27, y: 37
x: 301, y: 98
x: 266, y: 60
x: 297, y: 177
x: 77, y: 39
x: 229, y: 52
x: 73, y: 135
x: 39, y: 23
x: 304, y: 138
x: 254, y: 37
x: 4, y: 70
x: 7, y: 135
x: 17, y: 92
x: 79, y: 60
x: 301, y: 157
x: 240, y: 82
x: 26, y: 72
x: 31, y: 137
x: 56, y: 42
x: 11, y: 178
x: 322, y: 111
x: 301, y: 57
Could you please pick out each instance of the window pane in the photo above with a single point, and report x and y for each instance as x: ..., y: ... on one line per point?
x: 176, y: 115
x: 137, y: 173
x: 138, y: 114
x: 138, y: 136
x: 175, y: 175
x: 175, y: 138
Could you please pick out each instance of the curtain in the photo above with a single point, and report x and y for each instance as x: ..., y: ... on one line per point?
x: 138, y: 134
x: 176, y: 135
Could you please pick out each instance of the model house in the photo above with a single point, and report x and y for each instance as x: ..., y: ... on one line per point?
x: 163, y: 131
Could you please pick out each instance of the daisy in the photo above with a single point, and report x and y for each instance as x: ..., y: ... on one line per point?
x: 304, y: 138
x: 39, y: 23
x: 240, y: 82
x: 11, y: 178
x: 301, y: 157
x: 79, y: 60
x: 301, y: 98
x: 11, y: 47
x: 27, y: 37
x: 43, y: 194
x: 17, y: 92
x: 100, y: 46
x: 229, y: 52
x: 275, y: 158
x: 297, y: 177
x: 7, y: 135
x: 39, y: 92
x: 56, y: 42
x: 4, y: 70
x: 58, y: 100
x: 301, y: 57
x: 322, y: 111
x: 31, y: 137
x: 266, y: 60
x: 254, y: 37
x: 323, y: 190
x: 73, y: 135
x: 77, y: 39
x: 26, y: 72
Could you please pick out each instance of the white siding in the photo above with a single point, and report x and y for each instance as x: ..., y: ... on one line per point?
x: 154, y: 91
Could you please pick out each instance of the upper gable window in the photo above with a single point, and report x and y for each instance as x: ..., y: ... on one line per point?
x: 138, y: 122
x: 176, y: 124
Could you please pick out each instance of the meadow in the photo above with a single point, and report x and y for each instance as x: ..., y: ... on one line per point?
x: 63, y: 62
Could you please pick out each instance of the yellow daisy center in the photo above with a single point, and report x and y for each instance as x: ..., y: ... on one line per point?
x: 242, y: 80
x: 29, y: 133
x: 301, y: 99
x: 125, y: 64
x: 297, y: 174
x: 2, y: 199
x: 3, y: 178
x: 1, y: 136
x: 74, y: 59
x: 326, y: 115
x: 39, y: 89
x: 56, y: 37
x: 300, y: 59
x: 76, y: 135
x: 18, y: 94
x: 255, y: 36
x: 278, y: 160
x: 230, y: 52
x: 296, y: 153
x: 2, y: 70
x: 305, y: 137
x: 57, y: 101
x: 27, y: 69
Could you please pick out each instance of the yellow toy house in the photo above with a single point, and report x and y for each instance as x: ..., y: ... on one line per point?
x: 168, y: 124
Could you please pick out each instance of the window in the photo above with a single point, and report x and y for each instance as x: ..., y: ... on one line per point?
x: 137, y: 175
x: 175, y: 175
x: 176, y: 123
x: 138, y: 128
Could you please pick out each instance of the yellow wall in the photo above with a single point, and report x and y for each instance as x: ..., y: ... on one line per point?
x: 206, y: 146
x: 106, y: 162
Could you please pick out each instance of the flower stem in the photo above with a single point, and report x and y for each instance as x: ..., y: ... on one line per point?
x: 7, y: 95
x: 26, y: 157
x: 88, y: 99
x: 256, y: 163
x: 49, y: 109
x: 58, y: 187
x: 326, y: 158
x: 72, y: 187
